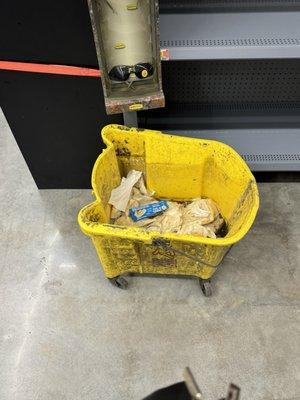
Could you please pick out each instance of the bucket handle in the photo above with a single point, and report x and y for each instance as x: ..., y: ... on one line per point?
x: 166, y: 245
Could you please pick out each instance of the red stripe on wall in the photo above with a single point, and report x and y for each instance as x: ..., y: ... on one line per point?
x: 49, y: 69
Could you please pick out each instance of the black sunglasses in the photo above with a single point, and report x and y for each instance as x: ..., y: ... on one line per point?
x: 122, y: 72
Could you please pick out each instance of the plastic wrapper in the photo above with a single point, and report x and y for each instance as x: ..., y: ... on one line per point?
x: 147, y: 211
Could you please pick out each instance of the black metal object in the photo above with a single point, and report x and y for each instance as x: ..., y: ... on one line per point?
x: 119, y: 281
x: 233, y: 392
x: 178, y: 391
x: 189, y: 390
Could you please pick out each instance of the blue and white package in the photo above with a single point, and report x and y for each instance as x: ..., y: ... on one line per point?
x: 148, y: 211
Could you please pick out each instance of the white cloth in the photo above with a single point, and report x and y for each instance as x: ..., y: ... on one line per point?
x: 120, y: 196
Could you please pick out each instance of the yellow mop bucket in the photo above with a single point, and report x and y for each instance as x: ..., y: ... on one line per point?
x: 176, y: 168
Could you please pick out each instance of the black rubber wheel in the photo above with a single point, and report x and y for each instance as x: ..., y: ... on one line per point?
x: 119, y: 282
x: 206, y: 287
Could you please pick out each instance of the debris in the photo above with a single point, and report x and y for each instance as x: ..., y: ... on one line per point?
x: 139, y: 207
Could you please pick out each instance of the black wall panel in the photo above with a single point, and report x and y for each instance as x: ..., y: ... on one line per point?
x: 225, y: 82
x: 48, y: 31
x: 228, y: 94
x: 56, y: 121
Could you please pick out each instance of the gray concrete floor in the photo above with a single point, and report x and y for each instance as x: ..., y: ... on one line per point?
x: 66, y: 333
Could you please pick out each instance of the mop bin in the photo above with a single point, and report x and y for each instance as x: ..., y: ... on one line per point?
x: 175, y: 168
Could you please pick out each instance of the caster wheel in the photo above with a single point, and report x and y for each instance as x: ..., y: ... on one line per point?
x: 206, y: 287
x: 119, y: 282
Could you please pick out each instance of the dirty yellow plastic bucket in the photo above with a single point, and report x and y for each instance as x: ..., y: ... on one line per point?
x: 176, y: 168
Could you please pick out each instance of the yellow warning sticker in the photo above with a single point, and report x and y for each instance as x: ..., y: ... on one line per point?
x: 132, y: 6
x: 120, y: 46
x: 135, y: 107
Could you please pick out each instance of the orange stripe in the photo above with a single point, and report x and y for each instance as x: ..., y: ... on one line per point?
x: 49, y: 69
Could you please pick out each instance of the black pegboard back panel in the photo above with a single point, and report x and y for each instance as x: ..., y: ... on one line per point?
x: 56, y: 121
x: 229, y: 82
x: 231, y: 42
x: 171, y: 6
x: 211, y: 94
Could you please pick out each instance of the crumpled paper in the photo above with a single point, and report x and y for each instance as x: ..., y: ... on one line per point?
x: 170, y: 220
x: 120, y: 196
x: 196, y: 217
x: 194, y: 228
x: 199, y: 217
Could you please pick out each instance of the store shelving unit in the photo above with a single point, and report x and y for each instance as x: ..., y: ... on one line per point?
x: 231, y: 35
x: 233, y: 75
